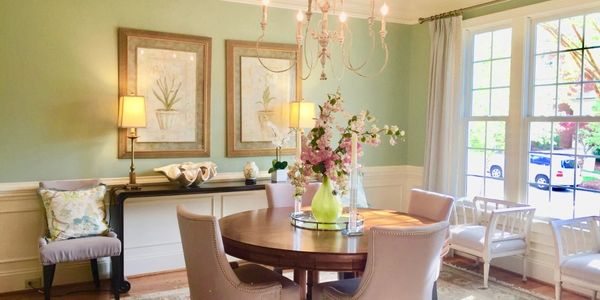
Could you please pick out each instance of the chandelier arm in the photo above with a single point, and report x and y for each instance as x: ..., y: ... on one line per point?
x: 331, y: 65
x: 385, y: 62
x: 310, y: 63
x: 347, y: 60
x: 260, y: 39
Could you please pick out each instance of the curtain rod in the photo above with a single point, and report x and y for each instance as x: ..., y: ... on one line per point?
x: 460, y: 11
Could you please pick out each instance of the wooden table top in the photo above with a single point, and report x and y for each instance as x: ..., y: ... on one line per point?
x: 266, y: 236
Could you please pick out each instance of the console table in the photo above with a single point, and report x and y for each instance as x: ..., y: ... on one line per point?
x: 119, y: 194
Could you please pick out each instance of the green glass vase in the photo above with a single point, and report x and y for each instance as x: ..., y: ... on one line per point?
x: 325, y: 205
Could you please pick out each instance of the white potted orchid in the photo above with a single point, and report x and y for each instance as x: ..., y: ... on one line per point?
x: 278, y: 169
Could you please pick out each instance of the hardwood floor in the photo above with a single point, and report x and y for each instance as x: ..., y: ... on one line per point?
x: 149, y: 283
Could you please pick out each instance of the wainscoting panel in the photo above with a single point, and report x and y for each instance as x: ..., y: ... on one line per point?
x: 151, y: 231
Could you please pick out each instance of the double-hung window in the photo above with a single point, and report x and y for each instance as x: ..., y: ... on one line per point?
x: 553, y: 128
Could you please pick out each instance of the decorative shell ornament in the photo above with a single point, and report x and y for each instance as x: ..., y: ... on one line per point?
x: 188, y: 173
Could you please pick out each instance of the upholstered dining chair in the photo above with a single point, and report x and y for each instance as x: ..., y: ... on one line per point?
x: 77, y: 249
x: 577, y: 244
x: 436, y: 207
x: 209, y: 274
x: 282, y: 194
x: 419, y: 249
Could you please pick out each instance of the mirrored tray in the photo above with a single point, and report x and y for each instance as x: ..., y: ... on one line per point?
x: 306, y: 220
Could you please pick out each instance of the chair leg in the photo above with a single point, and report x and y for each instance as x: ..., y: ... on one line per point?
x: 434, y: 295
x: 524, y: 268
x: 594, y: 295
x: 486, y: 273
x: 48, y: 278
x: 115, y: 267
x: 557, y: 290
x: 94, y: 264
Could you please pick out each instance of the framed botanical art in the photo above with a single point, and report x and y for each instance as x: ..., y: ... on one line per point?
x: 172, y: 71
x: 261, y: 83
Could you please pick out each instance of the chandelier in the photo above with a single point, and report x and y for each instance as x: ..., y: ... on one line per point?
x: 324, y: 38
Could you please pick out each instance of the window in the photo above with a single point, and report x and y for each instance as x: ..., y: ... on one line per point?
x: 489, y: 92
x: 564, y: 122
x: 550, y: 122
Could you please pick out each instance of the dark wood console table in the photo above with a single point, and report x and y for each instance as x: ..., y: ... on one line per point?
x: 119, y: 194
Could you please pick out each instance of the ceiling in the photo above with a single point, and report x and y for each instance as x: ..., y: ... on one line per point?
x: 401, y: 11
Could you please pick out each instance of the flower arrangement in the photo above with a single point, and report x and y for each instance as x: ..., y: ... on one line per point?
x: 320, y: 159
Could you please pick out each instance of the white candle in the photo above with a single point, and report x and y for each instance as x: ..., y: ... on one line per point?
x: 384, y: 11
x: 354, y: 154
x: 265, y: 12
x: 299, y: 18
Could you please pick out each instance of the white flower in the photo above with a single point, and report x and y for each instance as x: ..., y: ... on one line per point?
x: 402, y: 133
x: 386, y: 128
x: 394, y: 128
x: 392, y: 141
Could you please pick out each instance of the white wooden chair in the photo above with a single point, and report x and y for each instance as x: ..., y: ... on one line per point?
x: 577, y: 243
x: 490, y: 228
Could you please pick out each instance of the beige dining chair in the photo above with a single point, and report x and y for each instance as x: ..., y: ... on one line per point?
x: 209, y: 274
x: 402, y: 263
x: 436, y: 207
x: 282, y: 194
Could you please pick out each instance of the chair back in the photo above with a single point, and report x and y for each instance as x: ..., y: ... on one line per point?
x: 433, y: 206
x: 575, y: 237
x: 282, y: 194
x: 402, y: 261
x: 209, y: 273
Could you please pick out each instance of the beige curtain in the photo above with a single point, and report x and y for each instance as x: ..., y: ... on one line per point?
x: 443, y: 146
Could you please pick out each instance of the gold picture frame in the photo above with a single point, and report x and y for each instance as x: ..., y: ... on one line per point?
x: 258, y: 99
x: 172, y: 71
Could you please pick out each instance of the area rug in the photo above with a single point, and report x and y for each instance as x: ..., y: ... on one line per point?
x: 454, y: 284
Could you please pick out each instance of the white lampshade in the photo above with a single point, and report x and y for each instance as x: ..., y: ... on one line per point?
x: 132, y: 112
x: 302, y: 115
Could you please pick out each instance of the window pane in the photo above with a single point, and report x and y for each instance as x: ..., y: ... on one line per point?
x: 499, y: 102
x: 482, y: 44
x: 540, y: 199
x: 547, y: 40
x: 562, y: 203
x: 571, y: 33
x: 540, y: 136
x: 475, y: 162
x: 568, y: 100
x: 590, y: 103
x: 592, y: 64
x: 494, y: 188
x: 495, y: 135
x: 544, y: 100
x: 475, y: 186
x: 502, y: 43
x: 495, y: 164
x: 569, y: 66
x: 481, y: 103
x: 481, y: 75
x: 587, y: 203
x: 477, y: 135
x: 589, y: 140
x: 501, y: 72
x: 545, y: 69
x: 564, y: 137
x: 592, y: 30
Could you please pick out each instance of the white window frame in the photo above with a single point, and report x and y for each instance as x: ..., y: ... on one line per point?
x: 521, y: 21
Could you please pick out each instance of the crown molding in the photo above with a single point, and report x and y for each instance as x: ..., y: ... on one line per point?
x: 354, y: 8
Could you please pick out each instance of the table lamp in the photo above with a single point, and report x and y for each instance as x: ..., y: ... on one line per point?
x: 302, y: 115
x: 132, y: 115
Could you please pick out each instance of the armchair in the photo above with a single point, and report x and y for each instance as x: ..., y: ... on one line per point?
x: 577, y: 243
x: 490, y: 228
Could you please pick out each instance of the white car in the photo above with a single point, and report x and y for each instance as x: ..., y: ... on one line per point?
x: 563, y: 170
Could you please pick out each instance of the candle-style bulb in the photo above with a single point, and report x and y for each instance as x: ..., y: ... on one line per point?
x: 300, y: 16
x: 384, y: 9
x: 343, y: 17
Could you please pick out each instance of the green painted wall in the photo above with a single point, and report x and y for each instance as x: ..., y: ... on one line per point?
x: 58, y: 82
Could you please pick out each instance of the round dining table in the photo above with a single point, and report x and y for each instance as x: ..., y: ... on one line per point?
x: 266, y: 236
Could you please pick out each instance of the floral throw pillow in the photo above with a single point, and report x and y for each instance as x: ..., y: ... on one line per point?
x: 73, y: 214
